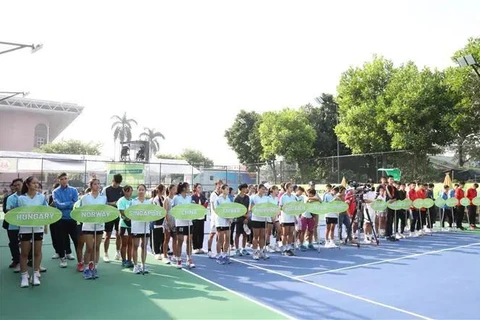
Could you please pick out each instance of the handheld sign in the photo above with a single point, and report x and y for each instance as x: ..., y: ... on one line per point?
x: 407, y: 203
x: 396, y: 205
x: 265, y: 209
x: 95, y: 213
x: 188, y: 211
x: 145, y: 212
x: 33, y: 216
x: 317, y: 207
x: 230, y: 210
x: 294, y: 208
x: 379, y: 205
x: 428, y: 203
x: 476, y: 201
x: 440, y: 202
x: 451, y: 202
x: 419, y: 203
x: 465, y: 202
x: 337, y: 206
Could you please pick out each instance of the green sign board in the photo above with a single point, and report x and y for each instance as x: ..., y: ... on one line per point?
x: 337, y: 206
x: 133, y: 173
x: 230, y: 210
x: 440, y: 202
x: 95, y: 213
x: 396, y: 205
x: 476, y: 201
x: 452, y: 202
x: 189, y: 211
x: 145, y: 212
x: 294, y: 208
x: 423, y: 203
x: 379, y: 205
x: 33, y: 216
x: 265, y: 209
x: 465, y: 202
x: 428, y: 203
x: 407, y: 204
x: 317, y: 207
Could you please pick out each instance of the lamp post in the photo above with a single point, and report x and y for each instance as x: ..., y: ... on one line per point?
x: 18, y: 46
x: 12, y: 94
x: 469, y: 60
x: 321, y: 101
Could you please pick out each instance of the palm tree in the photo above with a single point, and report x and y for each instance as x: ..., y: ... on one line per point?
x: 152, y: 137
x: 122, y: 127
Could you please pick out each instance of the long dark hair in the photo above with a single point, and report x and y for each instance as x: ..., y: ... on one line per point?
x: 170, y: 188
x: 26, y: 183
x: 182, y: 186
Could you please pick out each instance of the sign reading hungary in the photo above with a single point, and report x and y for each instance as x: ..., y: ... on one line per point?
x: 95, y: 213
x: 189, y: 211
x: 231, y: 210
x: 33, y: 216
x: 145, y: 212
x: 294, y: 208
x: 265, y: 209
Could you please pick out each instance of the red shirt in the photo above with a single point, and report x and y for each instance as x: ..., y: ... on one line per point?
x: 422, y: 194
x: 350, y: 200
x: 471, y: 194
x: 459, y: 195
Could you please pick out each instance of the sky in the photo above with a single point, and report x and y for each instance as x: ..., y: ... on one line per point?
x: 186, y: 68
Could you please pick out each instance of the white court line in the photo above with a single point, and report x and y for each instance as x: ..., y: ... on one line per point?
x: 241, y: 295
x: 336, y: 291
x: 387, y: 260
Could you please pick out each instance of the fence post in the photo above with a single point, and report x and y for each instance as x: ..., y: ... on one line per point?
x: 41, y: 173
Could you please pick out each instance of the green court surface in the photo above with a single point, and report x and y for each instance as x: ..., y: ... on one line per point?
x: 164, y: 293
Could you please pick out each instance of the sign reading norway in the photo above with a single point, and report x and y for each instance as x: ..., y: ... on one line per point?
x: 145, y: 212
x: 189, y: 211
x: 265, y: 209
x: 294, y: 208
x: 231, y: 210
x: 95, y: 213
x: 33, y: 216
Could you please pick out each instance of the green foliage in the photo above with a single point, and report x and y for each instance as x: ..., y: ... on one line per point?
x: 122, y: 128
x: 152, y: 137
x: 196, y: 158
x: 169, y: 156
x: 71, y: 147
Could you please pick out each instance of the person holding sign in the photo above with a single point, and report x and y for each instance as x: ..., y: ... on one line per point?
x: 447, y: 212
x: 126, y: 249
x: 183, y: 227
x: 331, y: 219
x: 169, y: 224
x: 11, y: 203
x: 273, y: 197
x: 287, y: 221
x: 223, y: 228
x: 259, y: 225
x: 241, y: 222
x: 213, y: 230
x: 140, y: 230
x: 460, y: 210
x: 472, y: 209
x: 92, y: 232
x: 30, y: 197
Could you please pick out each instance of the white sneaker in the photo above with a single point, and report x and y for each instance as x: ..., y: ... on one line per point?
x: 106, y: 259
x: 158, y: 257
x: 398, y: 236
x: 69, y: 256
x: 145, y: 269
x: 367, y: 241
x: 36, y: 279
x: 24, y: 282
x: 55, y: 256
x: 332, y: 244
x: 38, y: 274
x: 212, y: 255
x: 196, y: 251
x: 63, y: 263
x: 265, y: 256
x: 165, y: 260
x: 256, y: 255
x: 190, y: 264
x: 137, y: 269
x: 118, y: 256
x: 17, y: 268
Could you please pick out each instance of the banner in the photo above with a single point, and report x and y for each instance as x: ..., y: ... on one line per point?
x: 294, y: 208
x: 33, y: 216
x: 396, y: 205
x: 230, y: 210
x: 8, y: 165
x: 189, y: 211
x: 379, y: 205
x: 145, y: 212
x: 133, y: 173
x: 95, y: 213
x: 265, y: 209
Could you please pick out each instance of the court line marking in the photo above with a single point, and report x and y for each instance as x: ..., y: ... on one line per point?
x: 241, y: 295
x: 387, y: 260
x: 336, y: 291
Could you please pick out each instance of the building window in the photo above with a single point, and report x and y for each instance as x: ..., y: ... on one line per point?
x: 41, y: 135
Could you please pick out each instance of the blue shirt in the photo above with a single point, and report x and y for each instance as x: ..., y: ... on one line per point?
x: 12, y: 203
x: 64, y: 199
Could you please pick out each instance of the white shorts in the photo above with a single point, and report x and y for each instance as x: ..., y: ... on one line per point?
x: 213, y: 228
x: 372, y: 215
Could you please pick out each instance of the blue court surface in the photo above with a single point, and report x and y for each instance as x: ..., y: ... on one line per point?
x: 431, y: 277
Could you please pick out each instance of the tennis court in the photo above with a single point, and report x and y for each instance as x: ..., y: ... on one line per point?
x: 430, y: 277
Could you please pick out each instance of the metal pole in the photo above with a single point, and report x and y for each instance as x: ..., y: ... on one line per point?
x: 338, y: 148
x: 475, y: 69
x: 41, y: 173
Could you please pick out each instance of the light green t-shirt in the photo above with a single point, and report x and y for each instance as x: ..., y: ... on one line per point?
x: 123, y: 204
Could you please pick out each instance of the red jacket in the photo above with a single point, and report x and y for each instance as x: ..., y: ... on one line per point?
x: 412, y: 195
x: 422, y: 194
x: 459, y: 194
x: 350, y: 200
x: 471, y: 194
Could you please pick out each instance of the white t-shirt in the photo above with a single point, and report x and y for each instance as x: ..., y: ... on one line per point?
x: 213, y: 201
x: 139, y: 227
x: 284, y: 218
x: 257, y: 200
x: 371, y: 196
x: 328, y: 197
x: 178, y: 200
x: 88, y: 199
x: 26, y: 201
x: 273, y: 200
x: 219, y: 221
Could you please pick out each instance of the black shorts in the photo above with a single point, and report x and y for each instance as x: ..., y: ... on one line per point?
x: 219, y: 229
x: 288, y: 224
x: 183, y: 230
x: 141, y: 235
x: 79, y: 229
x: 99, y: 233
x: 124, y: 230
x: 258, y: 225
x: 159, y: 222
x: 114, y: 223
x: 331, y: 220
x: 38, y: 236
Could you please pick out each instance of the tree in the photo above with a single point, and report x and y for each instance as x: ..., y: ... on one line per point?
x: 152, y: 136
x: 196, y: 158
x: 244, y: 139
x: 71, y: 147
x: 122, y: 128
x: 464, y: 85
x: 168, y: 156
